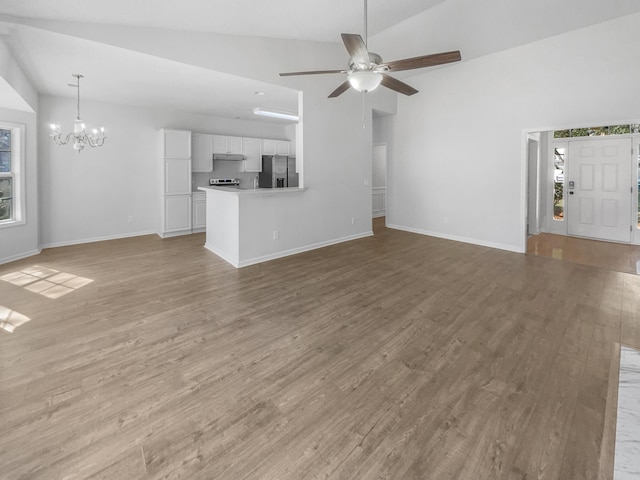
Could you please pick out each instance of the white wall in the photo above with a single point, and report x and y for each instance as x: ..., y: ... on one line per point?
x: 21, y: 240
x: 89, y: 196
x: 18, y: 103
x: 459, y: 167
x: 21, y: 95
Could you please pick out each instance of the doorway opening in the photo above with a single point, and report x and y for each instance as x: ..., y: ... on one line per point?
x: 382, y: 141
x: 583, y: 195
x: 379, y: 181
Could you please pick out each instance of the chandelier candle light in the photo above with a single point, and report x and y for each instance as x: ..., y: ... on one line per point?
x: 79, y: 135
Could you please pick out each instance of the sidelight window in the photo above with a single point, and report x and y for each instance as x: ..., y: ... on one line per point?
x: 559, y: 155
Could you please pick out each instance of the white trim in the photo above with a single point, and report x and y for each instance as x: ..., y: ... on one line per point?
x: 635, y: 231
x: 456, y: 238
x: 96, y: 239
x: 222, y: 255
x: 524, y: 199
x: 20, y: 256
x: 285, y: 253
x: 179, y: 233
x: 18, y: 173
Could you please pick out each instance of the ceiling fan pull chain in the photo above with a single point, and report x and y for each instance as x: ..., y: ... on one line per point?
x: 364, y: 121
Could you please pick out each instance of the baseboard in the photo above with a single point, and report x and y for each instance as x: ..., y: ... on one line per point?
x: 456, y: 238
x: 222, y: 255
x: 174, y: 234
x: 19, y: 256
x: 95, y: 239
x: 284, y: 253
x: 306, y: 248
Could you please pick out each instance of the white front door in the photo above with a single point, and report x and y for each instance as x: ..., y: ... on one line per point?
x: 598, y: 189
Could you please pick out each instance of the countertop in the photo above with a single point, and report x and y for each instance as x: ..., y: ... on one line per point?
x: 254, y: 191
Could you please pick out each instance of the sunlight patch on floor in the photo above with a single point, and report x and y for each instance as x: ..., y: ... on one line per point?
x: 10, y: 319
x: 46, y: 281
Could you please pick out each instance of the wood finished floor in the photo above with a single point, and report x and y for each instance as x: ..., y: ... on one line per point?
x: 397, y: 356
x: 619, y: 257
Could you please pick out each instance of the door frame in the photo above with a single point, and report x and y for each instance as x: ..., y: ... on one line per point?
x: 546, y: 176
x: 533, y: 185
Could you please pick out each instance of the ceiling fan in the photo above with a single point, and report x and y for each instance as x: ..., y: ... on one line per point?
x: 367, y: 70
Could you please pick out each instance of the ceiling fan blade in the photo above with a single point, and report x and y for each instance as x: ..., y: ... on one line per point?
x: 424, y: 61
x: 340, y: 90
x: 311, y: 72
x: 397, y: 85
x: 356, y: 48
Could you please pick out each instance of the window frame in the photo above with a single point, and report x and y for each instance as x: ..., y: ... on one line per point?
x: 17, y: 174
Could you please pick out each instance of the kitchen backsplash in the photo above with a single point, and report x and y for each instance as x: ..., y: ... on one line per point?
x: 223, y: 169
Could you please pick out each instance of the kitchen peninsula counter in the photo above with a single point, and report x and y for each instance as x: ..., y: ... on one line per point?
x: 248, y: 226
x: 254, y: 191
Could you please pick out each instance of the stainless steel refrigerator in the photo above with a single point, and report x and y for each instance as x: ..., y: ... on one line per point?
x: 278, y: 171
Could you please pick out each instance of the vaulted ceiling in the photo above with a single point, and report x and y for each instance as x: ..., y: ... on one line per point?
x: 40, y: 36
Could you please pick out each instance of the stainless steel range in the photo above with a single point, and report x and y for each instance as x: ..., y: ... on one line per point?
x: 233, y: 182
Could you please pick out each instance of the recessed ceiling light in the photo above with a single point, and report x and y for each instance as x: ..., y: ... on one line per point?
x: 258, y: 92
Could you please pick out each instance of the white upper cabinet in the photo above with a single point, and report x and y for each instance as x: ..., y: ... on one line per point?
x: 251, y: 151
x: 177, y: 144
x: 275, y: 147
x: 219, y: 143
x: 234, y: 144
x: 202, y: 151
x: 268, y: 147
x: 226, y: 144
x: 282, y: 148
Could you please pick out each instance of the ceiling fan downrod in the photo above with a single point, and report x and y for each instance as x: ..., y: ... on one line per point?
x: 366, y: 36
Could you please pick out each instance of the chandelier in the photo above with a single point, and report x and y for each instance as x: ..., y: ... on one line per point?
x: 79, y: 135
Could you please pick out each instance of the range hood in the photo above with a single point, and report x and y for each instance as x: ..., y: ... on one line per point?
x: 228, y: 156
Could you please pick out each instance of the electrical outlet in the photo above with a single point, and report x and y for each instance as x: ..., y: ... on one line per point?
x: 366, y: 182
x: 130, y: 219
x: 276, y: 234
x: 353, y: 220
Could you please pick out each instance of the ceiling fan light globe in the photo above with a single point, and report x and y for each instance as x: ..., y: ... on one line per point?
x: 365, y: 80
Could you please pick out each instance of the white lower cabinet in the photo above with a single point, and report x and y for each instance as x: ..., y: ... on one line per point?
x: 177, y: 214
x: 199, y: 212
